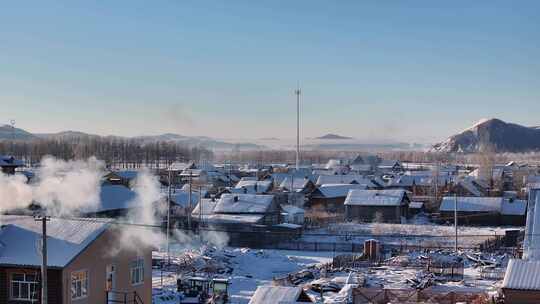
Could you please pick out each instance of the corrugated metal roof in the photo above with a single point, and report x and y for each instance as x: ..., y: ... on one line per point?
x: 472, y: 204
x: 65, y: 240
x: 375, y: 197
x: 522, y: 275
x: 345, y: 179
x: 276, y: 295
x: 243, y: 203
x: 338, y: 190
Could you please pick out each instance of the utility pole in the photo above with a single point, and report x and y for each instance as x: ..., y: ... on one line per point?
x: 456, y: 220
x: 189, y: 199
x: 43, y: 219
x: 200, y: 212
x: 169, y: 217
x: 297, y: 92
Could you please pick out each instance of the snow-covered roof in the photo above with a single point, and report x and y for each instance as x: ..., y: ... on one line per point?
x: 472, y: 186
x: 376, y: 197
x: 291, y: 209
x: 335, y: 163
x: 522, y: 275
x: 114, y: 197
x: 472, y: 204
x: 345, y: 179
x: 10, y: 161
x: 279, y: 177
x: 276, y: 295
x: 337, y: 190
x: 243, y: 203
x: 252, y: 186
x: 181, y: 198
x: 208, y: 206
x: 65, y: 240
x: 298, y: 184
x: 418, y: 180
x: 180, y: 166
x: 504, y: 206
x: 127, y: 174
x: 389, y: 164
x: 416, y: 205
x: 361, y: 167
x: 514, y: 207
x: 233, y: 218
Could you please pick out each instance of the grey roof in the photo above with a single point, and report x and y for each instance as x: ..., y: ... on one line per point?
x: 208, y: 206
x: 376, y: 197
x: 522, y: 275
x: 276, y: 295
x: 65, y: 239
x: 114, y: 197
x: 127, y: 174
x: 345, y: 179
x: 418, y: 180
x: 336, y: 190
x: 232, y: 218
x: 416, y: 205
x: 472, y: 186
x: 10, y: 161
x: 389, y: 164
x: 472, y: 204
x: 253, y: 186
x: 181, y: 198
x: 502, y: 205
x: 514, y: 207
x: 244, y: 203
x: 298, y: 184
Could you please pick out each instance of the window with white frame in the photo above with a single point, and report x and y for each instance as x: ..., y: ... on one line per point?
x: 24, y: 287
x: 79, y: 284
x: 137, y: 271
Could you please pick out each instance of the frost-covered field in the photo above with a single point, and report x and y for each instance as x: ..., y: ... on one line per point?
x: 429, y: 235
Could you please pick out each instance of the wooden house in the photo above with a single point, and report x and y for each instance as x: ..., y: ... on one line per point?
x: 331, y: 197
x: 389, y: 206
x: 484, y: 210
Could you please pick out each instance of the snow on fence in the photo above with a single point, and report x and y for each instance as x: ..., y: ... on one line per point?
x: 429, y: 295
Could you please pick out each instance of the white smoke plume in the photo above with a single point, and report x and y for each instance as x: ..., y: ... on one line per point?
x: 59, y: 187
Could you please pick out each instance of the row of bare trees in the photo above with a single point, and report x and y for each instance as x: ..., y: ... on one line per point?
x: 115, y: 152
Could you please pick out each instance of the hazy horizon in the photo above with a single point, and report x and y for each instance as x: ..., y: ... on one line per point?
x: 373, y: 71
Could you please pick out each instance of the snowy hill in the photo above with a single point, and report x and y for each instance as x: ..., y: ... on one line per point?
x: 502, y: 136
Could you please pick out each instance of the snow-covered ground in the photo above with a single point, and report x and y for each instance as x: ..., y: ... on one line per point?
x: 428, y: 235
x: 250, y: 268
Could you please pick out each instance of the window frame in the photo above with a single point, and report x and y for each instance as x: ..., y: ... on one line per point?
x: 25, y: 282
x: 137, y: 268
x: 86, y: 279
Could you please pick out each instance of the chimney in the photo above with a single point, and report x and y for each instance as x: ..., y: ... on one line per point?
x: 235, y: 198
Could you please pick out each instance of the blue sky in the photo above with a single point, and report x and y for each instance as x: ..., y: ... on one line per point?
x: 402, y: 70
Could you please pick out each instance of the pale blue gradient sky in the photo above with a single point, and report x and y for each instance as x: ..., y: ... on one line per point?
x: 403, y: 70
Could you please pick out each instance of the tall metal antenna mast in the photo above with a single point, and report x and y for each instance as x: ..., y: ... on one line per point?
x: 297, y: 92
x: 12, y: 122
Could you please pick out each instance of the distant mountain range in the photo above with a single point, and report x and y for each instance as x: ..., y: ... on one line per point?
x: 494, y: 133
x: 328, y: 142
x: 8, y: 133
x: 333, y: 137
